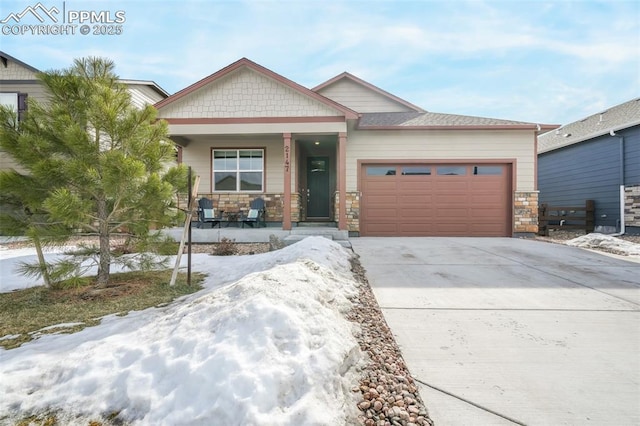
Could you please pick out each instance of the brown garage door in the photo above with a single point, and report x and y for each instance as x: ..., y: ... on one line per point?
x: 436, y: 200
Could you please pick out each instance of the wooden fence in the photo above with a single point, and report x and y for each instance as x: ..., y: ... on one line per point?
x: 573, y: 217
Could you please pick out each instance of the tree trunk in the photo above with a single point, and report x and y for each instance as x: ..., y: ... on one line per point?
x: 105, y: 252
x: 41, y: 262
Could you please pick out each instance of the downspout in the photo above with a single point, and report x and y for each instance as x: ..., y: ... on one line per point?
x: 621, y: 140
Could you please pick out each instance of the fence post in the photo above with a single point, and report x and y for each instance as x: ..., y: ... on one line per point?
x: 590, y: 214
x: 543, y: 229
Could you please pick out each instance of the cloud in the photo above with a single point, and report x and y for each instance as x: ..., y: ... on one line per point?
x: 525, y: 60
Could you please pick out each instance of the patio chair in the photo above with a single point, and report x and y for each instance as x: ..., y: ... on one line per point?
x: 207, y: 214
x: 256, y: 214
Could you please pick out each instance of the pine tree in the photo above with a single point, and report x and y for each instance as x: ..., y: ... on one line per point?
x: 104, y: 162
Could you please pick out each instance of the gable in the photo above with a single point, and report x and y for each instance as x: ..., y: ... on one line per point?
x: 242, y: 93
x: 143, y: 94
x: 12, y: 69
x: 360, y: 98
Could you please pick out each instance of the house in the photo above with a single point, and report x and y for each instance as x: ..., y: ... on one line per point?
x: 18, y: 82
x: 351, y: 154
x: 596, y: 158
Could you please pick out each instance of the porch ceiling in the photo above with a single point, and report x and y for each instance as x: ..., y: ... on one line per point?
x: 192, y: 131
x: 305, y: 138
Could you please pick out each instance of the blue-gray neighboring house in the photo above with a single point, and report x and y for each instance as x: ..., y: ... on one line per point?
x: 596, y: 158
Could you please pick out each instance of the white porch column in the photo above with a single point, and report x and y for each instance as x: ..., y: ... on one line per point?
x: 286, y: 213
x: 342, y: 180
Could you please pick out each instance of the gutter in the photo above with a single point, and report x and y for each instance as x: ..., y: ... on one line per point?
x: 612, y: 133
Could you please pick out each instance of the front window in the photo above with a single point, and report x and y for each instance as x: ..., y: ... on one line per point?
x: 9, y: 100
x: 236, y: 170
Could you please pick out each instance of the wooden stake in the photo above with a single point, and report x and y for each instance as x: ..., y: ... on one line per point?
x: 185, y: 230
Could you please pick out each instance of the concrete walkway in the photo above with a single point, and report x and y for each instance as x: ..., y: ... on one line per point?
x: 258, y: 235
x: 502, y: 331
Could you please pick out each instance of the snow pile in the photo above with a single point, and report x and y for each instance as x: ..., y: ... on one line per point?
x: 606, y: 242
x: 271, y: 348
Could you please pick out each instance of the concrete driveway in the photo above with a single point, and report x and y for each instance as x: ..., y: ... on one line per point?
x: 503, y: 331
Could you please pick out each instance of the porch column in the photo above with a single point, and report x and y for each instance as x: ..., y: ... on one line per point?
x: 342, y: 180
x: 286, y: 213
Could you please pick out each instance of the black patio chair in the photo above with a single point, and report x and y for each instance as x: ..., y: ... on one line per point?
x: 256, y: 214
x: 207, y: 214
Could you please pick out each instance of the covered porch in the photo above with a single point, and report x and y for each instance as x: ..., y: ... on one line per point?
x: 249, y: 132
x: 300, y: 175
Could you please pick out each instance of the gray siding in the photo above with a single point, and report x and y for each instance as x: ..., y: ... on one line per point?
x: 587, y: 170
x: 632, y: 155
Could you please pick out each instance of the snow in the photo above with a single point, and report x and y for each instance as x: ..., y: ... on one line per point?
x: 607, y: 242
x: 266, y: 342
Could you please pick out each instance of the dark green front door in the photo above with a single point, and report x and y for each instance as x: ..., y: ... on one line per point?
x: 318, y: 188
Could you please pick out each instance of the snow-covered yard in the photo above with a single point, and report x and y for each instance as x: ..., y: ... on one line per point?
x: 266, y: 342
x: 607, y: 243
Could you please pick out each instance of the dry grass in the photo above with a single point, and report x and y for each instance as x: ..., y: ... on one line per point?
x: 24, y: 313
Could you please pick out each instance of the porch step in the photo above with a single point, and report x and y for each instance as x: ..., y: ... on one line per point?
x: 331, y: 233
x: 292, y: 239
x: 324, y: 224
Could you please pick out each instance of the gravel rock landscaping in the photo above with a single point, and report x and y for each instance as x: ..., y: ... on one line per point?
x: 389, y: 393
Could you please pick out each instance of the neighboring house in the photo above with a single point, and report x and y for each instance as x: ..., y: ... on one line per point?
x: 18, y: 82
x: 349, y: 153
x: 596, y: 158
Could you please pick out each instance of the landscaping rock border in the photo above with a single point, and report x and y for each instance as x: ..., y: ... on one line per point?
x: 389, y: 395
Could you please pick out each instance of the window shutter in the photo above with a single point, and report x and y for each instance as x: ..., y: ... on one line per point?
x: 22, y: 105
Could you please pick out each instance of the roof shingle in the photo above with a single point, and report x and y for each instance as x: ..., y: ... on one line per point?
x: 613, y: 119
x: 432, y: 119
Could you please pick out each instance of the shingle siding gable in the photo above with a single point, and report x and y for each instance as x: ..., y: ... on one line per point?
x: 245, y: 93
x: 15, y: 71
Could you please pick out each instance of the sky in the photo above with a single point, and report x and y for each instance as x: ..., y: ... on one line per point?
x: 551, y: 62
x: 265, y: 342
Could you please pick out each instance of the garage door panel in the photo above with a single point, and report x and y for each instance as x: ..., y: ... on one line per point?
x: 452, y: 186
x: 382, y: 228
x: 450, y: 199
x: 452, y: 212
x: 422, y: 213
x: 411, y: 200
x: 451, y: 228
x: 382, y: 199
x: 487, y: 199
x: 415, y: 186
x: 382, y: 214
x: 382, y: 185
x: 438, y: 205
x: 416, y: 228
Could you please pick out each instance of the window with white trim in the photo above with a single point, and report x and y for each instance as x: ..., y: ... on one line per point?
x: 238, y: 170
x: 17, y: 102
x: 9, y: 100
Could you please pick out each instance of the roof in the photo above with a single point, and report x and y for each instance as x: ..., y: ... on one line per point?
x: 152, y: 84
x: 244, y: 62
x: 613, y: 119
x: 346, y: 75
x: 439, y: 121
x: 4, y: 57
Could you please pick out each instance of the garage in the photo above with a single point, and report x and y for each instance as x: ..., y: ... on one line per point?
x: 436, y: 199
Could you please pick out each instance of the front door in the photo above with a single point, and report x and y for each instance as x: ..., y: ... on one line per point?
x: 318, y: 188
